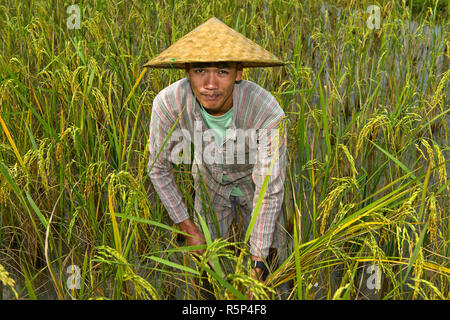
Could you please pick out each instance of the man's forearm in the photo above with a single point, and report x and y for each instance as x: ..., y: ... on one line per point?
x: 169, y: 194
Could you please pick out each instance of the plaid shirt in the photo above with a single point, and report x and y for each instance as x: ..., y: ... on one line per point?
x: 253, y: 109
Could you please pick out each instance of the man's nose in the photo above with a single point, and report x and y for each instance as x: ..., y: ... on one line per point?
x: 211, y: 82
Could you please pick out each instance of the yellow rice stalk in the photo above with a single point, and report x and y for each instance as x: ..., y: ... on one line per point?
x: 328, y: 203
x: 101, y: 101
x: 370, y: 129
x: 418, y: 271
x: 5, y: 191
x: 7, y: 280
x: 434, y: 217
x: 379, y: 257
x: 408, y: 207
x: 441, y: 170
x: 440, y: 92
x: 429, y: 151
x: 351, y: 160
x: 44, y: 163
x: 143, y: 288
x: 420, y: 150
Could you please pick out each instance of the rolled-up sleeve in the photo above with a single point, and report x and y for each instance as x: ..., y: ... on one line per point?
x: 159, y: 165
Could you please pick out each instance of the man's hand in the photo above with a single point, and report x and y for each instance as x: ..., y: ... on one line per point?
x: 196, y: 237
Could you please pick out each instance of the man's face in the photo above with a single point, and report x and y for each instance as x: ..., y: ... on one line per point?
x: 213, y: 85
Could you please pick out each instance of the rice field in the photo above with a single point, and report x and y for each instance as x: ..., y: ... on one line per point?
x: 367, y: 194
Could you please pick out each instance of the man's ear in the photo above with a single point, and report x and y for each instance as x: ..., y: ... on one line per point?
x: 187, y: 67
x: 240, y: 70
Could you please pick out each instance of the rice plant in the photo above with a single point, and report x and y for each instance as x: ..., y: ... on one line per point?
x: 367, y: 193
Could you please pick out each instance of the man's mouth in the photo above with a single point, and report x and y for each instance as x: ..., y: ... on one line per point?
x: 211, y: 97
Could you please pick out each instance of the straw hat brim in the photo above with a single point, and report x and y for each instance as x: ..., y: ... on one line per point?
x: 214, y: 41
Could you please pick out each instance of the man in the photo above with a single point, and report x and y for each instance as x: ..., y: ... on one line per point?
x: 225, y: 118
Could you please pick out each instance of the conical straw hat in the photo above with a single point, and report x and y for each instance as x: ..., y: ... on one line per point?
x: 214, y: 41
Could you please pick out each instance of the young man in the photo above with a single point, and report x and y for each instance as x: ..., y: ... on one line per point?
x: 233, y: 125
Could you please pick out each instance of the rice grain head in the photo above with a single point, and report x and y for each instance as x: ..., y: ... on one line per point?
x: 7, y: 280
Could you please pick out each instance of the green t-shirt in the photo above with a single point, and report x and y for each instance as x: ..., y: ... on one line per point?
x: 219, y: 124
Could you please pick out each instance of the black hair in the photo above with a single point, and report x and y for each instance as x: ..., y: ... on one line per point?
x: 219, y: 64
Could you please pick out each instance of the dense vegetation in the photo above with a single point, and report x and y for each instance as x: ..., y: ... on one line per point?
x: 367, y: 192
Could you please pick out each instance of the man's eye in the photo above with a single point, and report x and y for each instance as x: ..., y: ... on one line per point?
x: 223, y: 72
x: 198, y: 70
